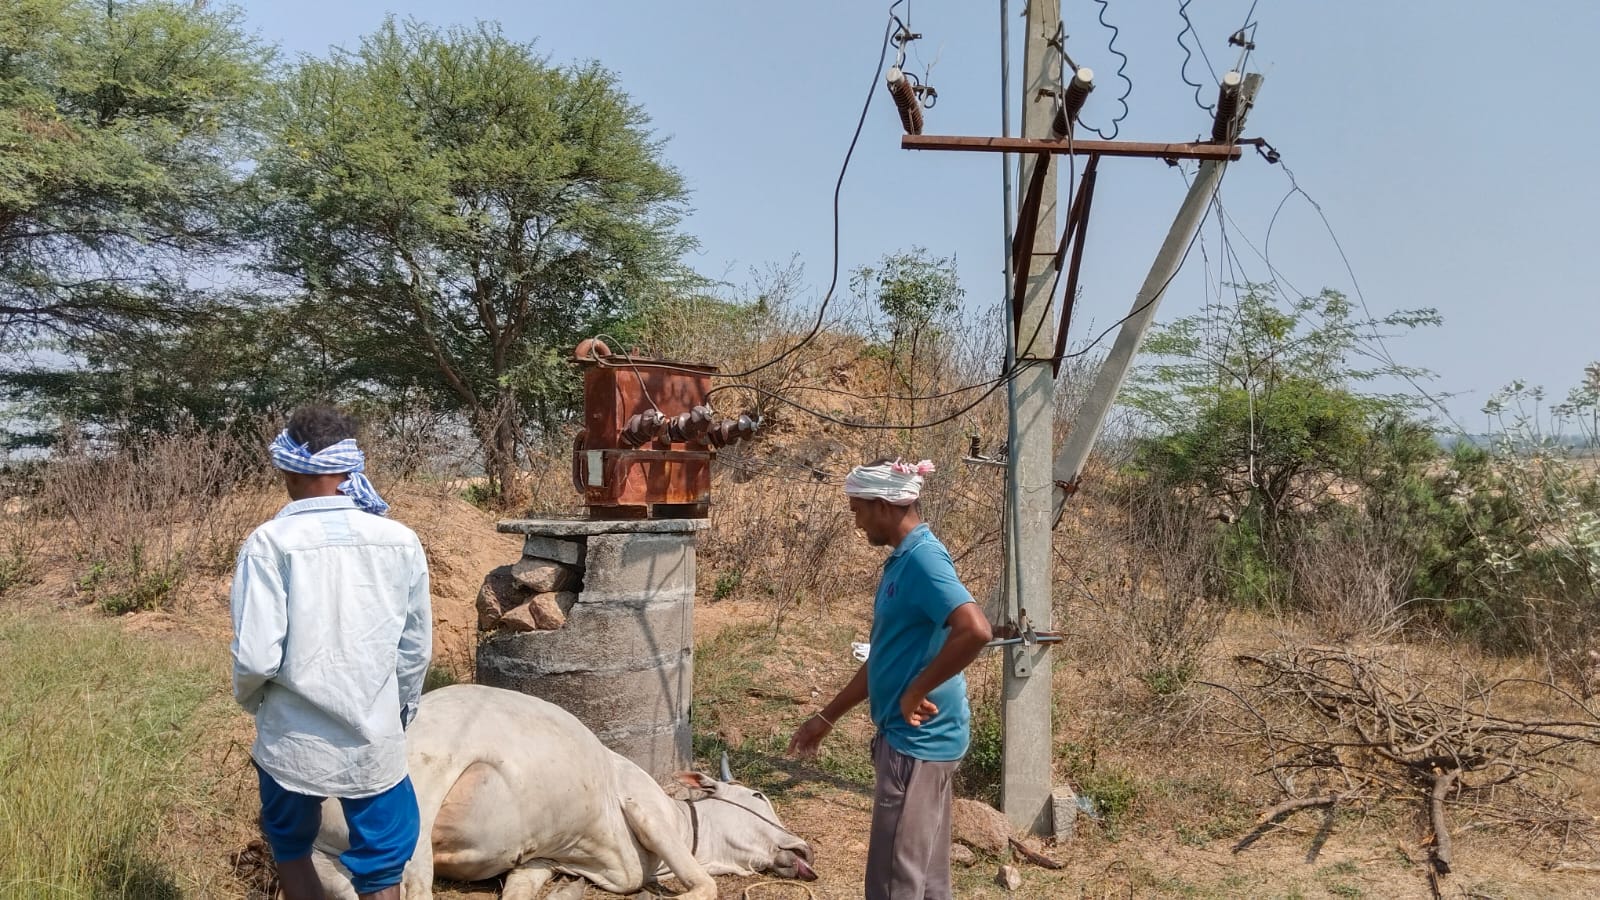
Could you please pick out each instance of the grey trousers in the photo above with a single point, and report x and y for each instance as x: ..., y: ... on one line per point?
x: 908, y: 856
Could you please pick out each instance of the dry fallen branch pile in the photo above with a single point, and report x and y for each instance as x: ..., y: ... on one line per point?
x: 1342, y: 727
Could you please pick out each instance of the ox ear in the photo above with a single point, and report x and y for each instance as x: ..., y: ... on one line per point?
x: 697, y: 780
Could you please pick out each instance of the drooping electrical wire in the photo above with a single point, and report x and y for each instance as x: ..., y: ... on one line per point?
x: 863, y: 426
x: 1383, y: 354
x: 1159, y: 293
x: 992, y: 386
x: 838, y: 186
x: 1378, y: 349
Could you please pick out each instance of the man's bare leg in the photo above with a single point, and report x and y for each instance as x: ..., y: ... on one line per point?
x: 299, y: 880
x: 388, y: 893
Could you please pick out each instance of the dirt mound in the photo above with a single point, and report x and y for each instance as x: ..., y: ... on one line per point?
x: 462, y: 546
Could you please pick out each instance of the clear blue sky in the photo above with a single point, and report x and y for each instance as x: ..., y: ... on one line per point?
x: 1448, y: 142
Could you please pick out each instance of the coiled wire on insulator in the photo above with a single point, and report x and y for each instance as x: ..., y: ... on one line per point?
x: 1222, y: 127
x: 905, y: 100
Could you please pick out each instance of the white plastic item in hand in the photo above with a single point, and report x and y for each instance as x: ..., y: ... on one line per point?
x: 860, y: 650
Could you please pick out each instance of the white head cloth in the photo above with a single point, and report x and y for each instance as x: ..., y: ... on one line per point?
x: 899, y: 483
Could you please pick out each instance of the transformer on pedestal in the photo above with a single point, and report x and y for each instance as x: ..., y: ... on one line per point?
x: 649, y: 436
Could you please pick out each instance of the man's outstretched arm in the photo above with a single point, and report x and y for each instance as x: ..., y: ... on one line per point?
x: 811, y: 732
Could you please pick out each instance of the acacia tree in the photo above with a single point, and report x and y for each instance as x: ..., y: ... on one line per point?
x: 1263, y: 405
x: 918, y: 294
x: 467, y: 211
x: 120, y: 128
x: 1267, y: 415
x: 233, y: 360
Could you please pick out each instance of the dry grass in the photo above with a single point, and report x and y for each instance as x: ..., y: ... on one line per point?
x: 132, y: 525
x: 96, y: 730
x: 1351, y: 578
x: 1188, y: 791
x: 118, y: 739
x: 1136, y: 570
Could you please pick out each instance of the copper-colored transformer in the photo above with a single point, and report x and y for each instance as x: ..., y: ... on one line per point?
x: 649, y: 436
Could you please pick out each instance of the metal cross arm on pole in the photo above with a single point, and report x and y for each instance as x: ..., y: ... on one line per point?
x: 1132, y: 149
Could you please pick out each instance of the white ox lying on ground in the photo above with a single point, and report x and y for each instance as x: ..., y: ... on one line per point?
x: 510, y: 784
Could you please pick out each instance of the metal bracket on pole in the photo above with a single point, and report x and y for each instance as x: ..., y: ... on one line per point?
x: 1022, y: 243
x: 1021, y: 665
x: 1077, y: 234
x: 1133, y: 149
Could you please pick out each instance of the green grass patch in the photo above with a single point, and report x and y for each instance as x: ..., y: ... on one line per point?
x: 733, y: 691
x: 727, y: 583
x: 94, y: 728
x: 848, y: 761
x: 753, y: 761
x: 726, y: 667
x: 1113, y: 793
x: 16, y: 567
x: 437, y: 677
x: 479, y: 494
x: 978, y: 776
x: 135, y: 584
x: 1235, y: 884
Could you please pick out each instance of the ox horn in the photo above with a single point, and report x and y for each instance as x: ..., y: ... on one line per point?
x: 727, y: 774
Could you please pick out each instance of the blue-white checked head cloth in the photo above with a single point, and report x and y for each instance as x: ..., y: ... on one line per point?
x: 334, y: 459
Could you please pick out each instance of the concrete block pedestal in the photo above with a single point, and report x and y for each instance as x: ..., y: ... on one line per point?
x: 623, y: 663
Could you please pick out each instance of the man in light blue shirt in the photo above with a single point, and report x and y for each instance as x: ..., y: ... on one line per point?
x: 926, y: 629
x: 332, y: 638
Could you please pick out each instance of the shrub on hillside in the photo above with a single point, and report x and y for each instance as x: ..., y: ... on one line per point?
x: 138, y: 519
x: 1525, y: 574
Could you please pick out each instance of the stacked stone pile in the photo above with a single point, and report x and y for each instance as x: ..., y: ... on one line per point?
x: 535, y: 593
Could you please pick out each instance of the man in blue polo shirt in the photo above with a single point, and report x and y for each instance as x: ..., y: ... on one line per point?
x: 925, y: 630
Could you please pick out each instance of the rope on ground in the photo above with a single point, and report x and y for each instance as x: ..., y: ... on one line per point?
x: 748, y: 892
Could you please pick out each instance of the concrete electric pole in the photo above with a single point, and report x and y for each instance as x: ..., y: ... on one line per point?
x: 1119, y: 361
x: 1036, y: 491
x: 1026, y: 779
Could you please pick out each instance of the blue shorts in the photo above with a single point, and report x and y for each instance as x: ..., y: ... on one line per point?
x: 383, y: 830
